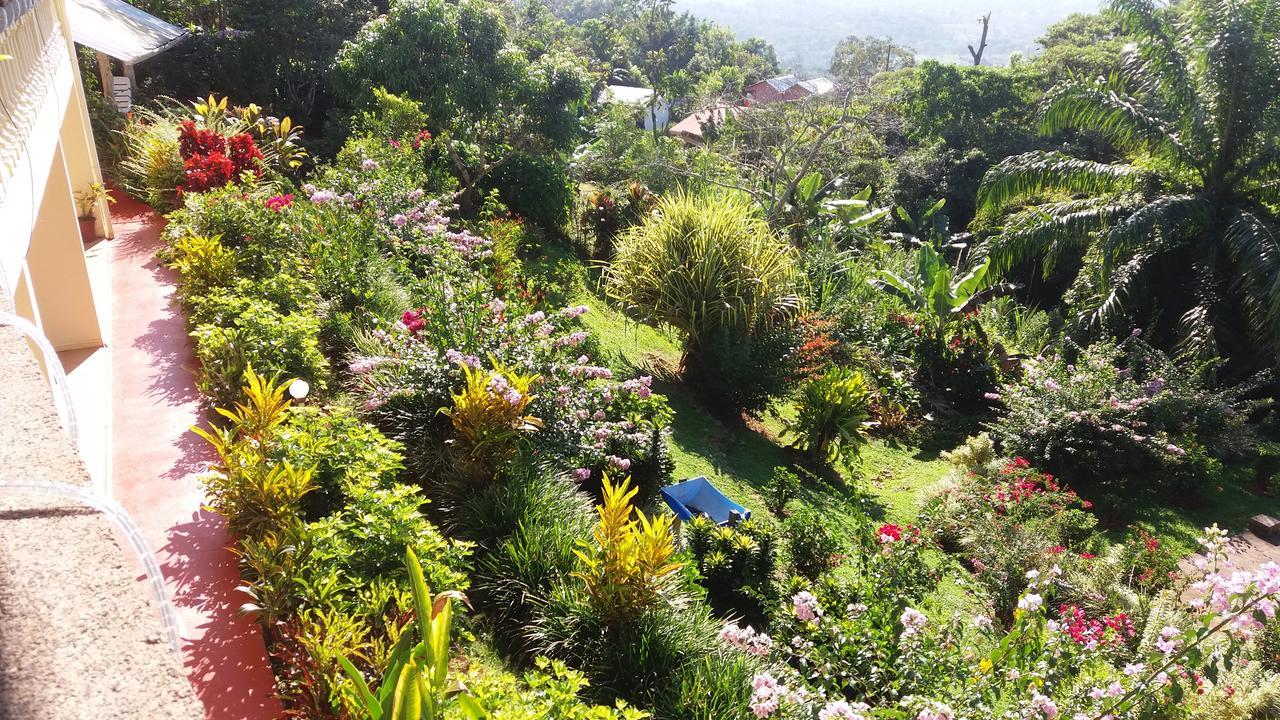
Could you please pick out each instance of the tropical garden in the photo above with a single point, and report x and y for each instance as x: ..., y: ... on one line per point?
x: 986, y: 353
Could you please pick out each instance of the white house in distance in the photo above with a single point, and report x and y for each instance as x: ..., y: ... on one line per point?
x: 639, y: 97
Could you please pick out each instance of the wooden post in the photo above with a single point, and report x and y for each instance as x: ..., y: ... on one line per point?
x: 104, y: 73
x: 133, y: 79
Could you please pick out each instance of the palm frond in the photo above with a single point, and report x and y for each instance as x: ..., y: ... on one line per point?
x: 1155, y: 61
x: 1102, y: 105
x: 1123, y: 282
x: 1050, y: 230
x: 1199, y: 339
x: 1156, y: 226
x: 1254, y: 247
x: 1033, y: 174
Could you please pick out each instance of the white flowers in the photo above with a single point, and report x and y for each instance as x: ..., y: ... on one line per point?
x: 746, y: 640
x: 805, y: 605
x: 841, y: 710
x: 1030, y: 602
x: 913, y: 621
x: 1045, y: 705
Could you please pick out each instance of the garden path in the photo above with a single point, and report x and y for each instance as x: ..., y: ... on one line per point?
x: 154, y: 463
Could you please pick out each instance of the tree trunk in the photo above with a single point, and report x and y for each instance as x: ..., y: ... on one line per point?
x: 982, y: 44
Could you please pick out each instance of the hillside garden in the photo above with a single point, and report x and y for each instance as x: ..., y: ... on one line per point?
x: 987, y: 353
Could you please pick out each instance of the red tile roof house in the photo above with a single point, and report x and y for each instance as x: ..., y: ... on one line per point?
x: 786, y: 87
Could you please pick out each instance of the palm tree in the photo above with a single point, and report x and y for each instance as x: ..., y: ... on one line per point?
x: 1187, y: 228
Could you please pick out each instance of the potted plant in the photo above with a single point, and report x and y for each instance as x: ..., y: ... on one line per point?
x: 86, y: 204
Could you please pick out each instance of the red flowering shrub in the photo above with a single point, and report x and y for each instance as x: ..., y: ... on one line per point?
x: 211, y: 160
x: 1108, y: 631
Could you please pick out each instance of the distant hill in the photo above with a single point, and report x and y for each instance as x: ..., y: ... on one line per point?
x: 805, y: 32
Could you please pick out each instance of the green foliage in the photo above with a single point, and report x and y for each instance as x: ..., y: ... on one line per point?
x: 784, y: 485
x: 253, y: 333
x: 367, y: 536
x: 549, y: 692
x: 935, y: 294
x: 627, y: 569
x: 488, y: 416
x: 535, y: 188
x: 814, y: 548
x: 152, y: 168
x: 700, y: 265
x: 348, y: 455
x: 487, y: 101
x: 255, y: 495
x: 746, y: 371
x: 832, y: 414
x: 415, y: 683
x: 1192, y: 108
x: 736, y: 565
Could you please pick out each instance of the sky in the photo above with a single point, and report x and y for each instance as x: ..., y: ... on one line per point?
x: 805, y: 32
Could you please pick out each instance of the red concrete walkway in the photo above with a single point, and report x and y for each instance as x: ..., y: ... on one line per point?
x: 154, y: 461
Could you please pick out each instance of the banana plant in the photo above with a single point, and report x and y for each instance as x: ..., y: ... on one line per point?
x: 936, y: 293
x: 415, y: 684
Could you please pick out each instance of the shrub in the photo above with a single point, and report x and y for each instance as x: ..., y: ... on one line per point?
x: 488, y: 416
x: 1123, y: 418
x: 784, y: 485
x: 698, y: 265
x: 746, y: 371
x: 367, y: 537
x: 1007, y: 518
x: 548, y: 692
x: 832, y: 415
x: 736, y: 565
x: 152, y: 168
x: 204, y: 265
x: 536, y: 188
x: 628, y: 569
x: 814, y: 549
x: 255, y: 495
x: 347, y: 456
x: 527, y: 528
x: 257, y: 335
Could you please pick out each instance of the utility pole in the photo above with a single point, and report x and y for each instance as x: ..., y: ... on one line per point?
x: 982, y: 44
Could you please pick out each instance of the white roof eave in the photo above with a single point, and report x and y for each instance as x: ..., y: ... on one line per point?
x: 120, y: 30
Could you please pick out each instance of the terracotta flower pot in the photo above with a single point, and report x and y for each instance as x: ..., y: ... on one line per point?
x: 88, y: 231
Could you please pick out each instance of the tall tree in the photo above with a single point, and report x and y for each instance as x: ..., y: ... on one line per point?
x: 859, y: 59
x: 485, y: 99
x: 1187, y: 229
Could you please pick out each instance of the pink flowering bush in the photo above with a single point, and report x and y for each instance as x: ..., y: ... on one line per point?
x: 1055, y: 661
x: 1120, y: 417
x: 1005, y: 518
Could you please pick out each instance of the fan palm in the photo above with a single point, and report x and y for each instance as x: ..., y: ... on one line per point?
x: 1188, y: 227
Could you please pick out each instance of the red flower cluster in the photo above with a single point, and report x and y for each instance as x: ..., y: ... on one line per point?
x: 212, y: 160
x: 412, y: 320
x: 279, y: 202
x: 422, y: 136
x: 1109, y: 631
x: 891, y: 533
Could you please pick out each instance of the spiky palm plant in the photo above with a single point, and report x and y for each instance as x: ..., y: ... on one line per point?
x: 1189, y: 226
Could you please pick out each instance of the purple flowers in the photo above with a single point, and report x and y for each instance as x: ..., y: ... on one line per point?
x: 321, y: 197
